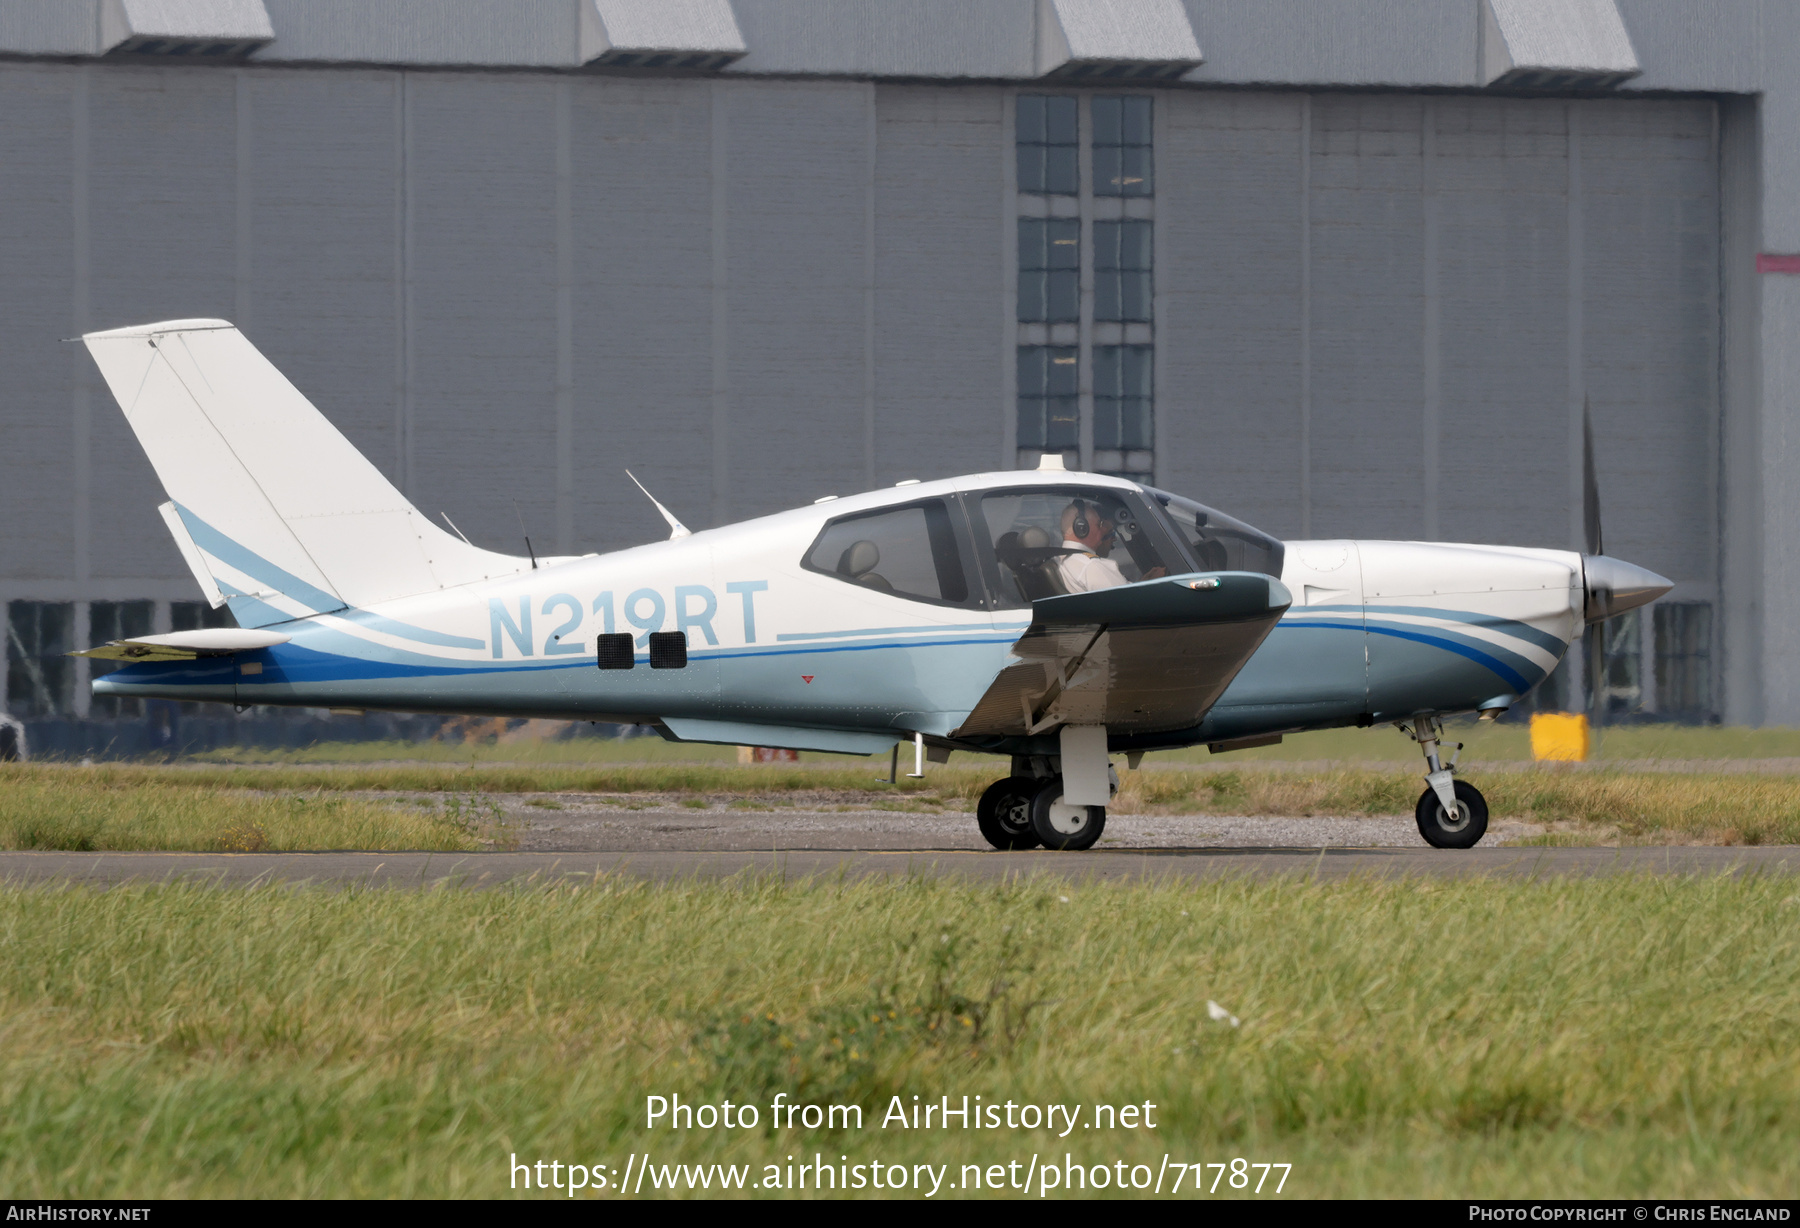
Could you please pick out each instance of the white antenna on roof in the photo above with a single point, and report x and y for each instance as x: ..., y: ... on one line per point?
x: 676, y: 528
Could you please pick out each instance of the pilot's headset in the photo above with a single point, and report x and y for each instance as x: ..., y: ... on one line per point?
x: 1081, y: 526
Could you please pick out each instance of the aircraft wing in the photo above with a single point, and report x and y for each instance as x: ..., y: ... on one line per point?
x: 1143, y: 658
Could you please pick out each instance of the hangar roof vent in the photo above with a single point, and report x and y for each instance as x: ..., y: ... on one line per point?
x: 1555, y: 44
x: 1115, y: 40
x: 212, y: 29
x: 694, y: 34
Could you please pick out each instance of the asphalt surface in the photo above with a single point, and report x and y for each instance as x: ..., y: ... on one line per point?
x: 480, y: 870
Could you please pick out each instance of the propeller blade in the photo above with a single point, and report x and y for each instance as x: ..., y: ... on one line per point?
x: 1594, y: 641
x: 1590, y: 485
x: 1593, y: 647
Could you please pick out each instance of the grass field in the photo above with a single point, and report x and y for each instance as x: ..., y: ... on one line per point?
x: 90, y: 809
x: 1612, y: 1037
x: 448, y: 806
x: 1505, y: 741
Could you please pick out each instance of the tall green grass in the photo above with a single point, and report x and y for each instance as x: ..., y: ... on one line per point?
x: 1506, y: 741
x: 86, y: 809
x: 1581, y: 1038
x: 142, y: 806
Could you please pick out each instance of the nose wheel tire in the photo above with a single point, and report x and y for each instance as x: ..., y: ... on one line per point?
x: 1004, y: 814
x: 1060, y: 825
x: 1461, y: 830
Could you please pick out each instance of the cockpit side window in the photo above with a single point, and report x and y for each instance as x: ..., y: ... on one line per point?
x: 1216, y: 541
x: 908, y: 551
x: 1025, y: 530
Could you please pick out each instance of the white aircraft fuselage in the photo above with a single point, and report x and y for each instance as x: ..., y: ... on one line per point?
x: 950, y: 612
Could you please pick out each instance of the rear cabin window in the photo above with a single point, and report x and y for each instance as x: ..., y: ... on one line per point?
x: 906, y: 551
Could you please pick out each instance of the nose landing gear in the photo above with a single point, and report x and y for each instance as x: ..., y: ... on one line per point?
x: 1451, y: 814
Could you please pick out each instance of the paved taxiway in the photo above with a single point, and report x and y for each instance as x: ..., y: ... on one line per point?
x: 500, y: 869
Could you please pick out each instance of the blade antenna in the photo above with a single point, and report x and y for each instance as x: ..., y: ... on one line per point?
x: 525, y: 535
x: 676, y: 528
x: 454, y: 529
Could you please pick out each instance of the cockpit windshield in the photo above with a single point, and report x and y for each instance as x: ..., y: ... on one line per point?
x: 1216, y: 541
x: 1050, y: 541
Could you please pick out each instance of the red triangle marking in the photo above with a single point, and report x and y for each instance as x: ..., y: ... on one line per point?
x: 806, y: 677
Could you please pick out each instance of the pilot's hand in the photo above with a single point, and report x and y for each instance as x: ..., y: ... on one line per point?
x: 1156, y: 573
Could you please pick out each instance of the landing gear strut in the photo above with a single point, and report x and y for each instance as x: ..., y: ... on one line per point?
x: 1451, y: 813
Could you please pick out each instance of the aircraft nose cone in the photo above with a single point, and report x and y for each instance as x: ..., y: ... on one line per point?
x: 1614, y: 586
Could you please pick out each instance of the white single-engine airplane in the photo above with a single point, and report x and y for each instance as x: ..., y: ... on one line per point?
x: 1050, y: 616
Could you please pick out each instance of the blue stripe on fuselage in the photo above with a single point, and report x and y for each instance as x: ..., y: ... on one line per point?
x: 1500, y: 669
x: 1508, y: 626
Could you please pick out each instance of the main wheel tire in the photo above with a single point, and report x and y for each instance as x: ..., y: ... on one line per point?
x: 1004, y: 814
x: 1063, y: 826
x: 1464, y: 830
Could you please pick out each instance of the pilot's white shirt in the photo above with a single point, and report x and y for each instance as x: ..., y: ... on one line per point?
x: 1087, y: 571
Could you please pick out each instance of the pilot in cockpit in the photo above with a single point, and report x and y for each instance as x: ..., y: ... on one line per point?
x: 1087, y: 538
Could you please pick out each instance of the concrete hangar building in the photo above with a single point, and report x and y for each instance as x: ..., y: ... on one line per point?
x: 1339, y: 267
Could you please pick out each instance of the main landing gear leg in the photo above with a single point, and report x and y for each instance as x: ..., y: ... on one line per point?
x: 1451, y: 813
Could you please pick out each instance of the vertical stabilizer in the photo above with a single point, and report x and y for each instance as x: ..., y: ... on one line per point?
x: 283, y: 514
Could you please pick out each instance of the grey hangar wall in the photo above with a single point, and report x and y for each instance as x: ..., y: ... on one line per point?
x: 1377, y: 313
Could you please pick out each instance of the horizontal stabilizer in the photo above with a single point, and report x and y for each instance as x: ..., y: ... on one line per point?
x: 186, y: 645
x: 275, y: 511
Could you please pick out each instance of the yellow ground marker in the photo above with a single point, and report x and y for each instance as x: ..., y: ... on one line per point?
x: 1561, y: 736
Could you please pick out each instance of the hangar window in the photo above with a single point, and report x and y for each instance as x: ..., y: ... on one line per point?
x: 116, y: 620
x: 1049, y: 397
x: 1122, y: 146
x: 1684, y: 659
x: 1049, y: 270
x: 196, y: 615
x: 1047, y: 143
x: 905, y: 551
x: 40, y: 680
x: 1121, y: 271
x: 1122, y: 397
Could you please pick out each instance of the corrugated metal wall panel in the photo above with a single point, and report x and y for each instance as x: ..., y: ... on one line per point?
x: 927, y: 38
x: 938, y: 368
x: 163, y: 223
x: 37, y: 200
x: 1228, y: 265
x: 323, y: 244
x: 532, y: 32
x: 1500, y: 178
x: 796, y: 186
x: 1367, y: 308
x: 320, y: 258
x: 481, y: 251
x: 1651, y: 221
x: 642, y: 222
